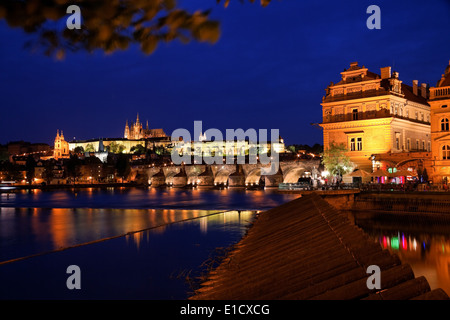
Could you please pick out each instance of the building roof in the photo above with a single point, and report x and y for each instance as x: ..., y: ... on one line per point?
x: 409, y: 94
x: 357, y: 74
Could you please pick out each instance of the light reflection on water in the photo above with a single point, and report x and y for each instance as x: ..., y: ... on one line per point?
x: 129, y: 264
x: 150, y: 264
x: 27, y: 231
x: 428, y: 254
x: 225, y: 199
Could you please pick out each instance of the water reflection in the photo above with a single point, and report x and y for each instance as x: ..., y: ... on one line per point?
x: 228, y: 222
x: 28, y: 231
x: 225, y: 199
x: 150, y: 264
x: 428, y: 254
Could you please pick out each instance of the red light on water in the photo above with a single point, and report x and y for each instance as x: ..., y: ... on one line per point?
x: 404, y: 245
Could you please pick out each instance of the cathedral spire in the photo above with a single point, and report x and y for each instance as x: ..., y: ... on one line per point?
x: 137, y: 118
x: 127, y: 130
x: 146, y: 127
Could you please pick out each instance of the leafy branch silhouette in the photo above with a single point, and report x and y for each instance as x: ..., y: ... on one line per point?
x: 109, y: 25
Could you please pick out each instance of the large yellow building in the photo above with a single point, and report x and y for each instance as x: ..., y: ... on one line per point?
x: 376, y: 115
x: 440, y: 128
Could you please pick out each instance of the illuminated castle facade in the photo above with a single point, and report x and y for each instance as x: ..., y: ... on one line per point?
x: 137, y: 132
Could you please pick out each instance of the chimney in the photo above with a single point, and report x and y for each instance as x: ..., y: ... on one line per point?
x: 385, y: 72
x: 415, y: 88
x: 423, y: 91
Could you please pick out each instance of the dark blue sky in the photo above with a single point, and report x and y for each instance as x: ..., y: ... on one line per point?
x: 268, y: 70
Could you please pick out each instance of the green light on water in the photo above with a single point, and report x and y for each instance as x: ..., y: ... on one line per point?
x: 394, y: 243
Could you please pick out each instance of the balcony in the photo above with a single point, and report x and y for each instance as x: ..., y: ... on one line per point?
x: 439, y: 93
x: 384, y: 113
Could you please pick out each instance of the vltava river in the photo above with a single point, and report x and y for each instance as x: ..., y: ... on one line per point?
x: 129, y: 243
x: 135, y: 243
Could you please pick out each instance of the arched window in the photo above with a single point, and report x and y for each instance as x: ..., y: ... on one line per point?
x: 446, y: 152
x: 444, y: 124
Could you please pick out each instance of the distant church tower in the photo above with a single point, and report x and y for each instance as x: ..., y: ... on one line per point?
x: 61, y: 147
x: 127, y: 131
x: 135, y: 131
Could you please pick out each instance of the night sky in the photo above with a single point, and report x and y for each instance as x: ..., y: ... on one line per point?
x: 269, y: 70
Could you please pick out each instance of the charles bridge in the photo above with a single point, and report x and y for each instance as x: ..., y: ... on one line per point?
x: 229, y: 175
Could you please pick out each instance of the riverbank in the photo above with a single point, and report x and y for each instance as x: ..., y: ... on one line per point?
x: 306, y: 249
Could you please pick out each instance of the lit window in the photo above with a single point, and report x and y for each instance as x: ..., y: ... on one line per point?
x: 352, y: 144
x: 445, y: 152
x: 359, y: 144
x: 444, y: 125
x: 356, y: 144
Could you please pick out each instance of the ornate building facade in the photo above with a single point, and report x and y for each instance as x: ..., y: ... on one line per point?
x: 61, y: 147
x: 440, y: 128
x: 376, y: 116
x: 137, y: 132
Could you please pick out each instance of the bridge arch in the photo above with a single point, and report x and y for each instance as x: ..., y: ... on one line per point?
x: 253, y: 177
x: 293, y: 174
x: 222, y: 177
x: 169, y: 177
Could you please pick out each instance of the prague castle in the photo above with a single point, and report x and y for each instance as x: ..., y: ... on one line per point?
x: 136, y: 132
x: 134, y: 135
